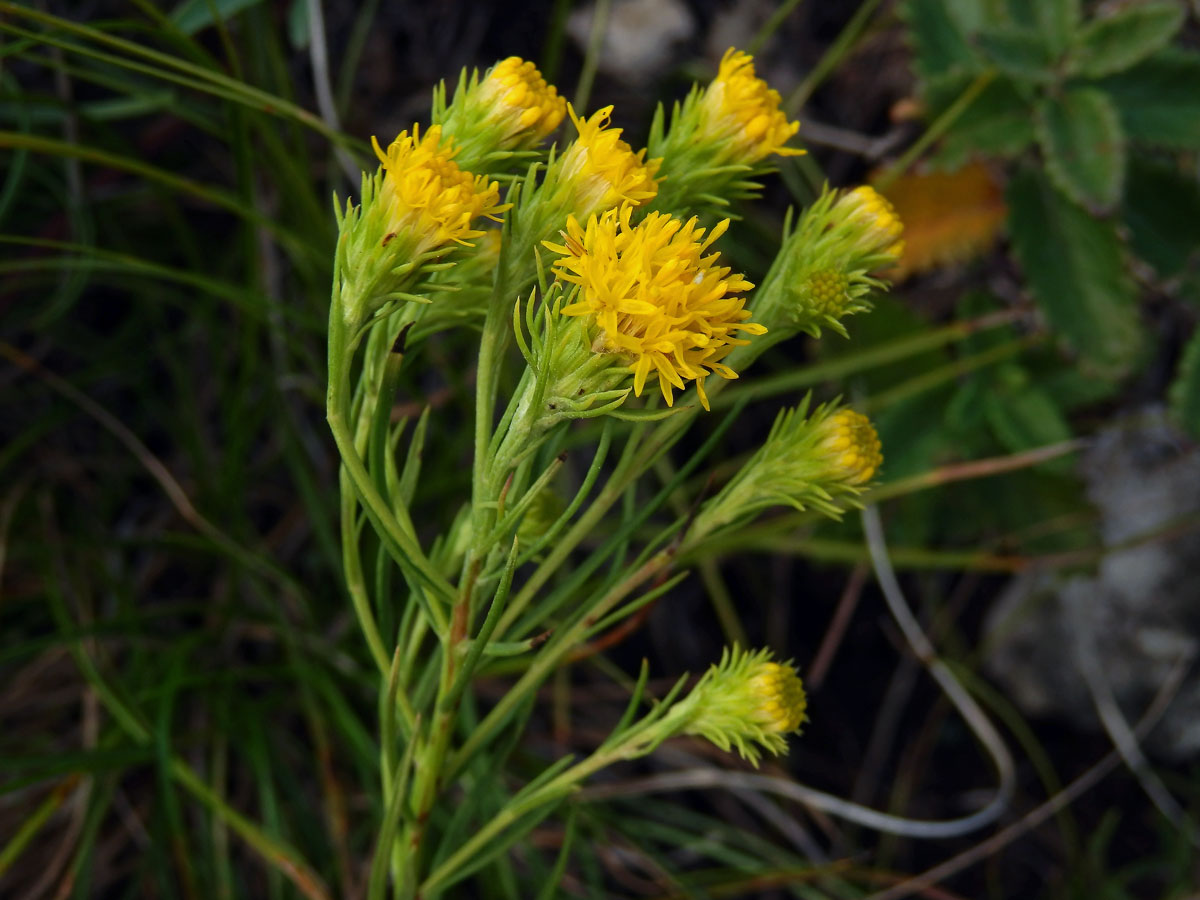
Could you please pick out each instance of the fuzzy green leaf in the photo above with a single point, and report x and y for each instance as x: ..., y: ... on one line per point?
x: 1162, y: 213
x: 998, y: 123
x: 1074, y: 265
x: 1185, y: 391
x: 939, y: 42
x: 1114, y: 43
x: 1025, y: 418
x: 1059, y: 20
x: 1025, y: 54
x: 1159, y: 99
x: 1084, y: 147
x: 972, y: 15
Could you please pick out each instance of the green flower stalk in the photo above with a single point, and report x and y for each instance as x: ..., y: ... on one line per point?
x: 820, y: 462
x: 493, y: 120
x: 747, y: 702
x: 647, y: 304
x: 597, y: 171
x: 719, y: 139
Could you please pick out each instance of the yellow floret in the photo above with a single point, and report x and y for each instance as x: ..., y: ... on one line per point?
x: 882, y: 227
x: 603, y: 169
x: 852, y: 445
x: 428, y: 199
x: 519, y: 96
x: 656, y: 297
x: 782, y: 702
x: 738, y: 107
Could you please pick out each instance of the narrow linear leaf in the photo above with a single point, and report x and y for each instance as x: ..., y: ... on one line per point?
x: 939, y: 44
x: 1185, y: 390
x: 1116, y: 42
x: 1074, y: 264
x: 192, y: 16
x: 1159, y: 99
x: 1084, y: 147
x: 298, y: 24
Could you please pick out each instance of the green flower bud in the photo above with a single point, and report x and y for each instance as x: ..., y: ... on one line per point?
x: 824, y: 270
x: 511, y: 109
x: 745, y: 702
x: 820, y: 462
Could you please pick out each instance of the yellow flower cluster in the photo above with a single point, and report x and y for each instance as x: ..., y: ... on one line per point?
x: 427, y: 197
x: 657, y: 298
x: 603, y: 169
x: 739, y: 108
x: 518, y: 97
x: 882, y: 228
x: 851, y: 445
x: 780, y: 695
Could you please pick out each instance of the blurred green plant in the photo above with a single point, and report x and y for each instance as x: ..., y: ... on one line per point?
x: 1099, y: 116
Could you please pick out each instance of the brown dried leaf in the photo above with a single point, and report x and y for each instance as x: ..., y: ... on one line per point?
x: 948, y: 217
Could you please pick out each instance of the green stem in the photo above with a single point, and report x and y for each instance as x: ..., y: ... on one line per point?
x: 831, y: 59
x: 355, y: 582
x: 552, y: 654
x: 771, y: 26
x: 840, y: 367
x: 639, y: 740
x: 399, y: 541
x: 950, y: 372
x: 609, y: 494
x: 33, y: 824
x: 723, y: 605
x: 936, y: 130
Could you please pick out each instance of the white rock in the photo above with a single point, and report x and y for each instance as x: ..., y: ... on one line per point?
x: 1140, y: 613
x: 638, y: 40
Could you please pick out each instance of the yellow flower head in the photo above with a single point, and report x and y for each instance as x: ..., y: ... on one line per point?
x: 746, y: 702
x: 518, y: 97
x: 739, y: 108
x: 427, y: 197
x: 882, y: 228
x: 781, y: 702
x: 603, y: 169
x: 657, y: 298
x: 852, y: 446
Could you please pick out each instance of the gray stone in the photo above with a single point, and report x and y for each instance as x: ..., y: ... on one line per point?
x: 639, y: 37
x: 1140, y: 612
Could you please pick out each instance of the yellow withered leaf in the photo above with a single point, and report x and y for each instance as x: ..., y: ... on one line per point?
x: 948, y: 217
